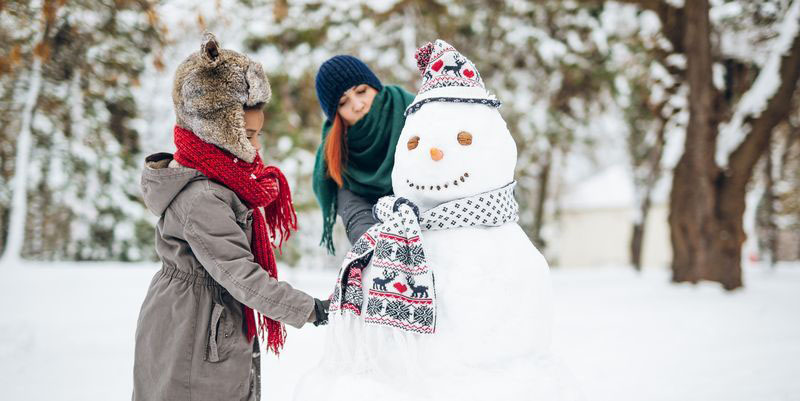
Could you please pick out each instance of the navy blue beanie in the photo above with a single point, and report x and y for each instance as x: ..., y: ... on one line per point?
x: 336, y: 76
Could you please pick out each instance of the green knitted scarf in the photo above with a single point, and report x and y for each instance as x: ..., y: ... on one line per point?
x: 369, y: 157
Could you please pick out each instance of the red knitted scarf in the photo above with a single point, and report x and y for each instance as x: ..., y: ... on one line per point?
x: 257, y: 186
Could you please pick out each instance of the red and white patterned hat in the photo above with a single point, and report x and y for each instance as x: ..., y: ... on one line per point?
x: 448, y: 76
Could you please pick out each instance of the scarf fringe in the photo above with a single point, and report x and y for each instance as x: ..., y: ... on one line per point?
x: 280, y: 214
x: 275, y: 331
x: 276, y: 336
x: 328, y: 220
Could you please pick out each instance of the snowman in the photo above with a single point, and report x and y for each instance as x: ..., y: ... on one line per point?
x: 445, y: 298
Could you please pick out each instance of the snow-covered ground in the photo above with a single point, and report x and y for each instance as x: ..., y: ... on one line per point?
x: 67, y: 331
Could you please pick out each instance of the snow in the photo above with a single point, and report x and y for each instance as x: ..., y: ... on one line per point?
x: 625, y: 336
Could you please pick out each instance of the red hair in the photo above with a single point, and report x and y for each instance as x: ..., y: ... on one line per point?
x: 334, y: 149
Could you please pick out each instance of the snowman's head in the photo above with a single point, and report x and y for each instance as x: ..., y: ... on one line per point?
x: 449, y: 151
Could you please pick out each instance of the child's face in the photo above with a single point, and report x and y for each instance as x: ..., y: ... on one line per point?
x: 356, y: 102
x: 253, y: 121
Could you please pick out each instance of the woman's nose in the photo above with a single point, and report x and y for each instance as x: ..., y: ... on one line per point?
x: 436, y: 154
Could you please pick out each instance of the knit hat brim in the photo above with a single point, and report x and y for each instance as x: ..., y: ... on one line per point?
x: 336, y: 76
x: 473, y: 95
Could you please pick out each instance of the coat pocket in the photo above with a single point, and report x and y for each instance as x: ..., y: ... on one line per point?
x: 219, y: 332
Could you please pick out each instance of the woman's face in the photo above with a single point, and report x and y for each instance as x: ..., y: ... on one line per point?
x: 355, y: 103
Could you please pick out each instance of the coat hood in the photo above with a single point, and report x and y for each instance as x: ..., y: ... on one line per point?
x: 161, y: 183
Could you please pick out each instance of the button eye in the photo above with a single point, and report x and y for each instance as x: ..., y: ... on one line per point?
x: 465, y: 138
x: 413, y: 142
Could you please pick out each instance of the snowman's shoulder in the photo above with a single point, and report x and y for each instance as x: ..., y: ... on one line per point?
x: 508, y: 239
x: 513, y: 239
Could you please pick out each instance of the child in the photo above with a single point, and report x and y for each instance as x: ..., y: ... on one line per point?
x: 196, y: 334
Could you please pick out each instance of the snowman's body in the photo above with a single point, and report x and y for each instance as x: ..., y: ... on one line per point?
x: 493, y: 295
x: 492, y: 287
x: 492, y: 331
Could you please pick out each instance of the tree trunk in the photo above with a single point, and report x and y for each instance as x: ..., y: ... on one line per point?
x: 707, y: 204
x: 725, y: 262
x: 742, y: 162
x: 538, y: 217
x: 770, y: 229
x: 646, y: 185
x: 692, y: 198
x: 3, y: 228
x: 637, y: 238
x: 639, y: 226
x: 16, y: 227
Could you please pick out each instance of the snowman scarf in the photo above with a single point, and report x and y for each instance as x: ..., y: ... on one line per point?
x: 403, y: 294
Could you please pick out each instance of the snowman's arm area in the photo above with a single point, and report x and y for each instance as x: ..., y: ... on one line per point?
x: 356, y: 214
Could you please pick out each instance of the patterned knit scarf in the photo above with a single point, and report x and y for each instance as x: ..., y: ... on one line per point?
x: 403, y: 294
x: 257, y: 186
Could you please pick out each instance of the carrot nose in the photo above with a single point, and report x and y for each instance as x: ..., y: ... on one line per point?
x: 436, y: 154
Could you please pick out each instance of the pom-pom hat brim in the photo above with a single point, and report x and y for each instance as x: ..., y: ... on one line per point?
x: 453, y: 95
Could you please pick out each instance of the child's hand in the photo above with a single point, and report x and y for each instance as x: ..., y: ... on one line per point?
x: 321, y: 311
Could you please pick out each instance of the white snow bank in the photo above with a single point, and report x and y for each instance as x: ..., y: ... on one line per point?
x: 67, y: 334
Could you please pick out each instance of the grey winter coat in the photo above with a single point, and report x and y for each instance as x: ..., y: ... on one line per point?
x: 190, y: 338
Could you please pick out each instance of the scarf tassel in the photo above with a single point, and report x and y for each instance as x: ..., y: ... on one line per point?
x: 275, y: 331
x: 280, y: 214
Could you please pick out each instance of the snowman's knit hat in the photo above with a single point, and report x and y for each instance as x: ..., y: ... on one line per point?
x: 448, y: 76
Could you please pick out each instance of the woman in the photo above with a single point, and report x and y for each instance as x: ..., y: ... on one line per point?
x: 355, y: 159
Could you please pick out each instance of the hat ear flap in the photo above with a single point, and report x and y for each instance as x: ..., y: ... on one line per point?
x: 259, y: 91
x: 210, y: 49
x: 227, y: 131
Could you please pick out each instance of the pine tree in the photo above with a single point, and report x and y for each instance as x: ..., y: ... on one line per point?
x: 82, y: 193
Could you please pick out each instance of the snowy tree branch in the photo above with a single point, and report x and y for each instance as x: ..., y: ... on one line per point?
x: 765, y: 89
x: 778, y: 102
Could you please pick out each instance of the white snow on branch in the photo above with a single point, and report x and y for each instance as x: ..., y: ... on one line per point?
x: 755, y: 100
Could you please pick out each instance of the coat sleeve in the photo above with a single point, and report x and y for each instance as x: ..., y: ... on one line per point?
x: 222, y: 247
x: 356, y: 214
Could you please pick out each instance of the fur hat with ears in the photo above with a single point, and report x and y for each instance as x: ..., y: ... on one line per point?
x: 210, y: 91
